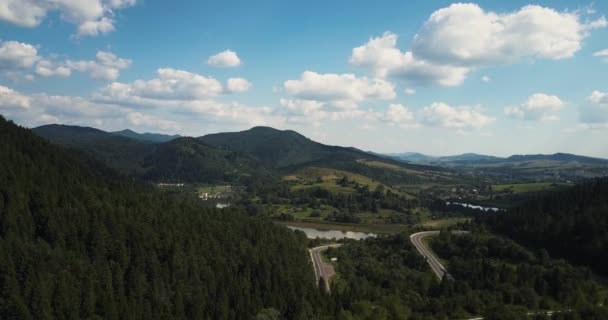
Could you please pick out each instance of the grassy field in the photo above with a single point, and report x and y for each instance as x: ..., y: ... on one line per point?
x: 358, y: 227
x: 326, y: 178
x: 526, y: 187
x: 212, y: 189
x: 442, y: 223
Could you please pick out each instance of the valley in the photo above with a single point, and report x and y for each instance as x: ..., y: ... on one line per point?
x: 363, y: 216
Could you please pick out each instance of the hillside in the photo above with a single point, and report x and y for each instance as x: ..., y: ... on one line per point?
x: 571, y: 224
x: 121, y: 153
x: 78, y: 245
x: 281, y: 149
x: 150, y: 137
x: 178, y: 160
x: 190, y: 160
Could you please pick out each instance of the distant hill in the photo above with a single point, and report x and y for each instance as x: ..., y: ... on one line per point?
x: 412, y: 157
x: 558, y: 157
x: 121, y: 153
x: 178, y: 160
x: 475, y: 158
x: 260, y: 152
x: 470, y: 157
x: 282, y: 149
x: 146, y: 136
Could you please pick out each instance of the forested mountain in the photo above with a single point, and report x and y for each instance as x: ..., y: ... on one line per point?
x: 121, y: 153
x: 75, y: 244
x: 571, y: 224
x: 178, y: 160
x: 229, y: 157
x: 282, y: 149
x: 190, y: 160
x: 146, y: 136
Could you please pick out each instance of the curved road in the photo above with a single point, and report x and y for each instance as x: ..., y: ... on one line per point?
x: 322, y: 269
x: 430, y: 257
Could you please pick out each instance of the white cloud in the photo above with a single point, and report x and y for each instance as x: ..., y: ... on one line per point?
x: 93, y: 28
x: 92, y: 17
x: 47, y: 68
x: 382, y: 56
x: 595, y: 115
x: 343, y: 91
x: 602, y: 54
x: 105, y: 67
x: 10, y: 99
x: 443, y: 115
x: 15, y: 54
x: 465, y: 34
x: 237, y: 85
x: 142, y: 120
x: 169, y: 84
x: 486, y: 79
x: 398, y: 114
x: 539, y: 106
x: 410, y: 92
x: 225, y: 58
x: 463, y: 37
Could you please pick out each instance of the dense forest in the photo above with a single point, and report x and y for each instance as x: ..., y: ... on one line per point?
x: 386, y: 278
x: 79, y: 242
x: 571, y: 224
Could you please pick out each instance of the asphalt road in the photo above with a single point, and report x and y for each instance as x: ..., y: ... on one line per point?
x: 322, y: 269
x: 430, y: 257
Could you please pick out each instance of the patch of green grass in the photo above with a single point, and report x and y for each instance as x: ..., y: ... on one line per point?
x: 327, y: 178
x: 330, y: 186
x: 212, y: 189
x: 526, y: 187
x: 443, y: 223
x: 359, y: 227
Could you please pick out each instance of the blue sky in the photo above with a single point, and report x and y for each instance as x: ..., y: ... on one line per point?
x: 436, y: 77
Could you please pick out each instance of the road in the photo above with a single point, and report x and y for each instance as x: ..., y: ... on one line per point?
x: 430, y: 257
x: 322, y: 269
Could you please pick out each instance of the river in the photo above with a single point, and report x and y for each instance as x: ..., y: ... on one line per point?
x: 472, y: 206
x: 312, y: 233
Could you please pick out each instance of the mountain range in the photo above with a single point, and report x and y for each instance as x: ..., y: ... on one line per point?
x: 472, y: 158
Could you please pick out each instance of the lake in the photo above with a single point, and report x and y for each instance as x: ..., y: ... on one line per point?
x: 312, y: 233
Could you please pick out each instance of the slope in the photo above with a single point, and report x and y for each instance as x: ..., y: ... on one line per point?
x: 78, y: 245
x: 178, y: 160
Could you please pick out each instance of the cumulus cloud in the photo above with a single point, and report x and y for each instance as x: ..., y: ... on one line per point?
x: 48, y: 68
x: 443, y: 115
x: 11, y: 99
x: 398, y: 114
x: 105, y: 67
x: 463, y: 37
x: 227, y: 58
x: 410, y: 91
x: 92, y: 17
x: 237, y: 85
x: 539, y: 106
x: 486, y: 79
x: 595, y: 114
x: 169, y: 84
x: 15, y: 54
x: 142, y: 120
x: 343, y: 91
x: 382, y: 56
x: 602, y: 54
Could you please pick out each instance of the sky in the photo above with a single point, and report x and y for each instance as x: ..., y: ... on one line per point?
x: 437, y: 77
